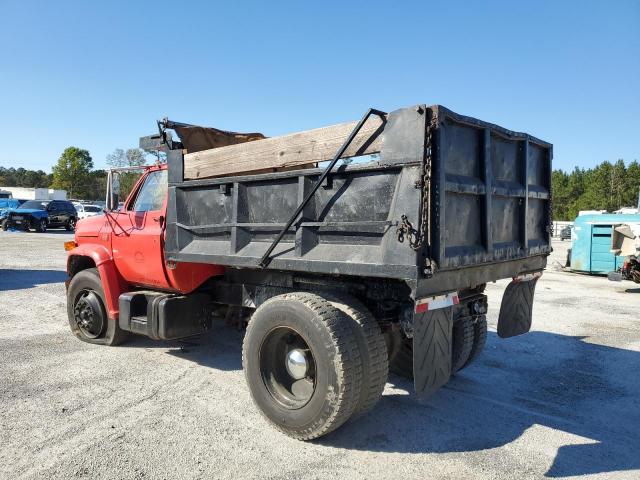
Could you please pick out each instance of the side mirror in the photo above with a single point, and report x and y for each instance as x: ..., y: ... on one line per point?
x: 112, y: 202
x: 113, y: 191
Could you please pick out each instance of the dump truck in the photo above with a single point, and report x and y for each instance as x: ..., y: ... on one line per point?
x: 338, y: 271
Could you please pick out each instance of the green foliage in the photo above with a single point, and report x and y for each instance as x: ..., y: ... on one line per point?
x: 96, y: 187
x: 20, y: 177
x: 127, y: 181
x: 605, y: 187
x: 73, y: 172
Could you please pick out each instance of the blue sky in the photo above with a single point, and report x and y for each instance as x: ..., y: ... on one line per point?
x: 98, y: 74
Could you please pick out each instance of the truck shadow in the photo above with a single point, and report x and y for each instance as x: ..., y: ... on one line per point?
x: 588, y: 394
x: 11, y: 279
x: 220, y: 348
x: 540, y: 380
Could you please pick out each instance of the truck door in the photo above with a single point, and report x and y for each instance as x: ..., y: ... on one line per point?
x: 137, y: 239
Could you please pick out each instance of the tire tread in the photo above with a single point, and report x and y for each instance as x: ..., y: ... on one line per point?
x: 347, y: 362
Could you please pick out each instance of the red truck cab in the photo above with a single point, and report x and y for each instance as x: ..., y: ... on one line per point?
x: 125, y: 246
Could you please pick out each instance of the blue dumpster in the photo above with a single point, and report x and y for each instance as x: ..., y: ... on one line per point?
x: 591, y: 242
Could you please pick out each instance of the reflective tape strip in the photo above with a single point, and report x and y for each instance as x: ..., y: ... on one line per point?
x: 527, y: 277
x: 434, y: 303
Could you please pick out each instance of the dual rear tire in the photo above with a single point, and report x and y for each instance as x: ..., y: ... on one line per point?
x: 312, y: 362
x: 469, y: 338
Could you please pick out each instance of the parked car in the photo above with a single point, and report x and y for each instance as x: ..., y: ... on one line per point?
x: 85, y: 210
x: 8, y: 204
x: 41, y: 215
x: 565, y: 233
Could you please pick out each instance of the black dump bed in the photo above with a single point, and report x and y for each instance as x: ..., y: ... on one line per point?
x: 486, y: 201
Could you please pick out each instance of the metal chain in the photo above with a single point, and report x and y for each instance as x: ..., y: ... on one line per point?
x: 405, y: 229
x: 426, y: 179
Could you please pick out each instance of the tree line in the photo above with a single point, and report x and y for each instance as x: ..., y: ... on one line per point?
x: 21, y: 177
x: 608, y: 186
x: 74, y: 173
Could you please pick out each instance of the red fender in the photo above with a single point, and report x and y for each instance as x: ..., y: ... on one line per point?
x: 112, y: 283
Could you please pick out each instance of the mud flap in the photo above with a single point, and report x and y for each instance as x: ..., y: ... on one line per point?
x: 516, y: 309
x: 432, y: 349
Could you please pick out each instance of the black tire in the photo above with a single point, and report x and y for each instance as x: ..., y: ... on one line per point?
x: 26, y: 225
x: 373, y: 349
x: 70, y: 226
x: 86, y: 287
x: 568, y: 263
x: 334, y: 371
x: 5, y: 225
x: 462, y: 343
x: 469, y: 338
x: 479, y: 338
x: 41, y: 225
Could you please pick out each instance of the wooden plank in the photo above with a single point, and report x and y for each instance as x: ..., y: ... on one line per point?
x: 293, y: 150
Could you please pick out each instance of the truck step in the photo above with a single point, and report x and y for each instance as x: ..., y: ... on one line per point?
x: 165, y: 316
x: 139, y: 319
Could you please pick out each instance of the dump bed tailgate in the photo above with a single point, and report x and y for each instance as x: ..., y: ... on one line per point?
x: 491, y: 192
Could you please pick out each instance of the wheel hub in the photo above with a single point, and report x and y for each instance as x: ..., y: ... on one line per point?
x: 288, y: 367
x: 296, y: 363
x: 88, y: 314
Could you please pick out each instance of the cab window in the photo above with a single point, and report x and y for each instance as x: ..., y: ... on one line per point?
x: 152, y: 193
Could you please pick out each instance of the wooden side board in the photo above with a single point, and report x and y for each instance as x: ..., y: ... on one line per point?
x: 293, y: 150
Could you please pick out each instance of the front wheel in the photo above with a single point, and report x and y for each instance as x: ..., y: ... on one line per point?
x: 41, y: 225
x: 71, y: 225
x: 302, y: 364
x: 5, y: 225
x: 87, y: 313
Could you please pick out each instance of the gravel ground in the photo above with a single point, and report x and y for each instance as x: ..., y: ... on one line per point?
x: 560, y: 401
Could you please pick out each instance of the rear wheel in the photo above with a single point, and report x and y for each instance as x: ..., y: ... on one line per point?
x: 373, y: 350
x: 87, y: 313
x: 469, y: 337
x: 479, y: 338
x: 302, y: 364
x: 463, y: 333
